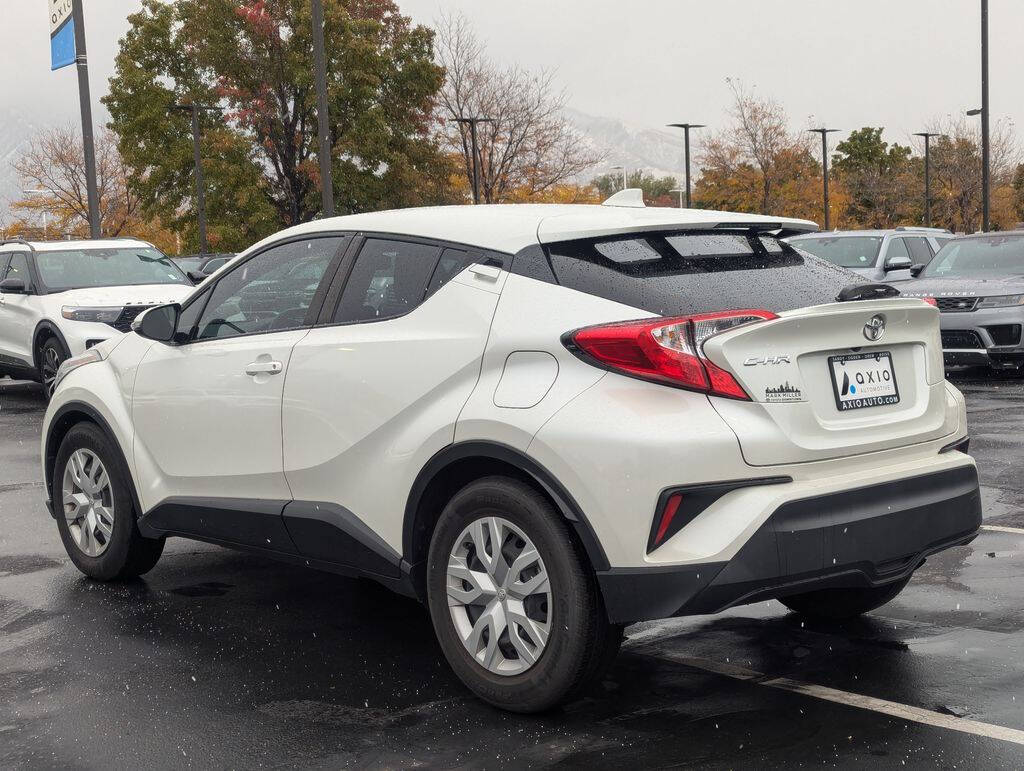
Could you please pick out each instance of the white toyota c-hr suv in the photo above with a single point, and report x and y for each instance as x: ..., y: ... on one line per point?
x: 544, y: 421
x: 58, y: 298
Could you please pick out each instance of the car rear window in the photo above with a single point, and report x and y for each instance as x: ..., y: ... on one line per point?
x: 683, y: 273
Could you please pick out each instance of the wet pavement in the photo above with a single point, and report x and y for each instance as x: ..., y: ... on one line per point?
x: 222, y: 659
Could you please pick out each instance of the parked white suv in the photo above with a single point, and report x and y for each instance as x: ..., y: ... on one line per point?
x: 546, y: 422
x: 59, y: 298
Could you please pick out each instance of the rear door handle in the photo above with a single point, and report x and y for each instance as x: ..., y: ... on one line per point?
x: 264, y: 368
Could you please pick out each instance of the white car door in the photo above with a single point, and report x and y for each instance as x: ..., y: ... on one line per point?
x: 207, y: 410
x: 377, y: 389
x: 18, y: 314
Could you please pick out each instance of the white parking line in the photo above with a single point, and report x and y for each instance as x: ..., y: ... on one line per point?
x: 891, y: 708
x: 1001, y: 529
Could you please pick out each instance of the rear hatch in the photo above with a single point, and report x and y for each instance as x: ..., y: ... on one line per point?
x: 783, y: 364
x: 835, y: 380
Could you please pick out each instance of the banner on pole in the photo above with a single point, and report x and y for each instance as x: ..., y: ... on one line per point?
x: 62, y: 34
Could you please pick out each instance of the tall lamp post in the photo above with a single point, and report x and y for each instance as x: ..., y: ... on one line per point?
x: 46, y: 214
x: 927, y: 176
x: 686, y: 144
x: 322, y: 113
x: 195, y: 109
x: 623, y: 169
x: 472, y: 123
x: 680, y: 191
x: 824, y: 168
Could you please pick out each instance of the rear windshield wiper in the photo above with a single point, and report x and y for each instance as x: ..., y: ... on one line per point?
x: 855, y: 292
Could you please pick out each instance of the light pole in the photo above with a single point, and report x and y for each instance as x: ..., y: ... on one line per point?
x: 680, y: 191
x: 686, y: 144
x: 824, y: 167
x: 194, y: 109
x: 46, y: 214
x: 985, y: 169
x: 623, y: 169
x: 927, y: 176
x: 472, y: 122
x: 322, y: 114
x: 85, y: 102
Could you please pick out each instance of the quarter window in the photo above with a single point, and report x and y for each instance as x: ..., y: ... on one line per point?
x: 388, y: 279
x: 270, y: 292
x: 451, y: 264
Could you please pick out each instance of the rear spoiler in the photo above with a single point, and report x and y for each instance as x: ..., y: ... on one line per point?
x: 778, y: 229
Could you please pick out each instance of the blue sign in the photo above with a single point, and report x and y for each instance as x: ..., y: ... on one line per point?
x: 62, y: 34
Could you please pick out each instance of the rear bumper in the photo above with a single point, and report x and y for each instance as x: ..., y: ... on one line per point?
x: 864, y: 537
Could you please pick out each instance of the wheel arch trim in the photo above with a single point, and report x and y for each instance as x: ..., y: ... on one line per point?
x: 49, y: 327
x: 52, y: 448
x: 490, y: 450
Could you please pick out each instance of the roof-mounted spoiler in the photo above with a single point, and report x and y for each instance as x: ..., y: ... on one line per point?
x: 780, y: 229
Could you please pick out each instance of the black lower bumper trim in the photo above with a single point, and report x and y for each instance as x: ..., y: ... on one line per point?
x: 869, y: 536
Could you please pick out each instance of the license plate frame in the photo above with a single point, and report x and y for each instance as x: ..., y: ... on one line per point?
x: 874, y: 396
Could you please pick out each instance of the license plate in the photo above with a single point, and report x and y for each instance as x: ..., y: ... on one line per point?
x: 862, y: 380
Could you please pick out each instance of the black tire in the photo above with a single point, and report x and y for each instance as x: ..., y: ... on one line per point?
x: 51, y: 356
x: 128, y: 554
x: 842, y: 604
x: 582, y: 643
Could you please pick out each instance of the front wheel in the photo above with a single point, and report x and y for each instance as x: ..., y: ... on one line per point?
x: 51, y: 356
x: 514, y: 605
x: 843, y: 604
x: 95, y: 512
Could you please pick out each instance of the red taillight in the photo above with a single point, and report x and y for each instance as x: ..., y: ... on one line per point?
x: 667, y: 350
x: 931, y: 301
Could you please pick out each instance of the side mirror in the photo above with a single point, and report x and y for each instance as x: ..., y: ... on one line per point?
x: 13, y: 286
x: 915, y: 270
x: 897, y: 263
x: 195, y: 276
x: 158, y: 323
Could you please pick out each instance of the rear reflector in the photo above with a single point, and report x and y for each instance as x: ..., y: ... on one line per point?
x: 668, y: 513
x: 665, y: 350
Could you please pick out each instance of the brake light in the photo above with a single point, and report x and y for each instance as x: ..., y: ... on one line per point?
x: 666, y: 350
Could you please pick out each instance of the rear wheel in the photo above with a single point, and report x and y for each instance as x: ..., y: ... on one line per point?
x: 51, y: 356
x: 842, y: 604
x: 95, y: 512
x: 513, y: 603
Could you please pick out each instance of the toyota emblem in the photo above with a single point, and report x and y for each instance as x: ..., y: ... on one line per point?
x: 875, y: 328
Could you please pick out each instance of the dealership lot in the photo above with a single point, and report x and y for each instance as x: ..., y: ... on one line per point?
x: 224, y: 659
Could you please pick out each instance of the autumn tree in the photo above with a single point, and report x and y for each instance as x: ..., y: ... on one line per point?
x: 956, y: 175
x: 528, y: 146
x: 51, y: 171
x: 52, y: 168
x: 757, y: 164
x: 251, y: 61
x: 884, y: 182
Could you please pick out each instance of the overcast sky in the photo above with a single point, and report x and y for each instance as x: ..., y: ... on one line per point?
x: 849, y: 63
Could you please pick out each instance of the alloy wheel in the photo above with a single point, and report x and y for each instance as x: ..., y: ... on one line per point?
x: 499, y: 596
x: 88, y: 502
x: 50, y: 364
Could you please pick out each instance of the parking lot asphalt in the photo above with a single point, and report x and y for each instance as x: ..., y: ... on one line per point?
x: 223, y: 659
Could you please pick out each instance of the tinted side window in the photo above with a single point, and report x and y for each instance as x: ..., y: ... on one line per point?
x: 896, y: 248
x: 389, y: 279
x: 451, y: 264
x: 4, y: 259
x: 680, y: 273
x: 270, y: 292
x: 18, y: 268
x: 919, y: 251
